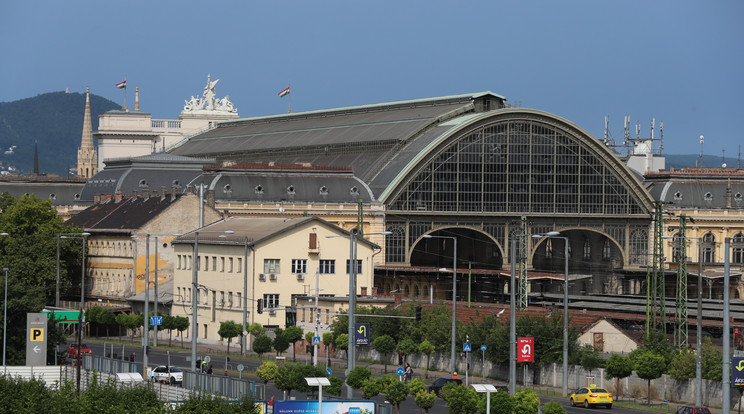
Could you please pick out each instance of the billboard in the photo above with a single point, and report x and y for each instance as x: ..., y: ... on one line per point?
x: 329, y: 407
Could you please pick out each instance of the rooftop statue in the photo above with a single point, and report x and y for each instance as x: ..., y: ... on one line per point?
x: 209, y: 102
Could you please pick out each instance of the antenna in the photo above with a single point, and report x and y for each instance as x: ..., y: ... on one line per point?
x: 606, y: 131
x: 653, y: 121
x: 661, y: 138
x: 638, y: 130
x: 627, y: 131
x: 723, y: 155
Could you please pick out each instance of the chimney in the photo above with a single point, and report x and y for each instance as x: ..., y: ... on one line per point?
x: 136, y: 99
x: 134, y: 194
x: 118, y: 196
x: 175, y: 190
x: 163, y: 194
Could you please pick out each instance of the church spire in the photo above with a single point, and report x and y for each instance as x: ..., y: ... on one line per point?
x: 87, y: 157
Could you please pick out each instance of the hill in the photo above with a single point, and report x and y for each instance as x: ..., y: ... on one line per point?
x: 55, y: 121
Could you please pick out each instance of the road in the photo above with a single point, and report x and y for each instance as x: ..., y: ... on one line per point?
x: 178, y: 358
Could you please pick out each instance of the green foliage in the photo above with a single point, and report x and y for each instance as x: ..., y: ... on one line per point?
x: 553, y: 407
x: 407, y: 347
x: 280, y: 342
x: 447, y: 388
x: 309, y: 336
x: 229, y: 330
x: 181, y: 323
x: 358, y: 376
x: 210, y: 403
x: 425, y: 400
x: 55, y: 336
x: 396, y: 392
x: 426, y: 348
x: 548, y: 334
x: 683, y: 365
x: 267, y: 371
x: 372, y: 387
x: 261, y: 345
x: 335, y: 387
x: 525, y: 401
x: 462, y: 400
x: 712, y: 364
x: 256, y: 329
x: 384, y: 345
x: 649, y: 366
x: 342, y: 342
x: 618, y: 366
x: 293, y: 334
x: 656, y: 342
x: 416, y: 385
x: 501, y: 403
x: 590, y: 359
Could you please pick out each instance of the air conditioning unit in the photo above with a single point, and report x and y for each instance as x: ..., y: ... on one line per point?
x: 261, y: 276
x: 300, y: 276
x: 272, y: 276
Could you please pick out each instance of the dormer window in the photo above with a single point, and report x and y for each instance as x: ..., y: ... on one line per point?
x: 708, y: 196
x: 143, y: 183
x: 258, y: 189
x: 738, y: 198
x: 324, y: 191
x: 291, y: 190
x: 354, y: 191
x: 227, y: 188
x: 678, y: 196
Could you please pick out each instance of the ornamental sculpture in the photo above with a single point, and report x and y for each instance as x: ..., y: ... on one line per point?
x: 209, y: 103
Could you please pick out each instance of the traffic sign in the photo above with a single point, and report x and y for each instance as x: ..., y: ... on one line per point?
x: 36, y: 339
x: 329, y: 372
x: 526, y: 350
x: 361, y: 334
x: 466, y: 347
x: 240, y: 367
x: 483, y: 347
x: 737, y: 371
x: 316, y: 340
x: 156, y: 320
x: 400, y: 371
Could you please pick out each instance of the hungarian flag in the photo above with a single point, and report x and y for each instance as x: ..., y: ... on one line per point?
x: 284, y: 92
x: 122, y: 85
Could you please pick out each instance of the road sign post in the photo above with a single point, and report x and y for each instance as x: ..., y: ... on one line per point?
x: 361, y: 333
x: 36, y: 340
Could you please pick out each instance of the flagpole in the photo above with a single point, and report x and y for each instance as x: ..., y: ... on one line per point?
x: 125, y: 92
x: 289, y: 84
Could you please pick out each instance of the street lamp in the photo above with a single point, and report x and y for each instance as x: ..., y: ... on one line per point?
x: 555, y: 235
x: 726, y: 406
x: 351, y: 344
x: 82, y: 300
x: 454, y: 296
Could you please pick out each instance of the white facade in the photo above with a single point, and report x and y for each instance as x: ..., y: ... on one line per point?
x: 280, y: 267
x: 607, y: 337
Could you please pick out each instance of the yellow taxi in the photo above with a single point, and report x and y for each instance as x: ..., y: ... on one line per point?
x: 591, y: 396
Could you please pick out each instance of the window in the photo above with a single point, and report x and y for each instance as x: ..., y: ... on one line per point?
x: 709, y: 248
x: 240, y: 265
x: 675, y: 248
x: 271, y: 300
x: 214, y: 263
x: 230, y: 299
x: 271, y: 265
x: 587, y: 249
x: 327, y: 267
x: 222, y: 264
x: 240, y: 299
x: 230, y: 265
x: 606, y: 250
x: 738, y: 245
x: 358, y: 266
x: 299, y: 265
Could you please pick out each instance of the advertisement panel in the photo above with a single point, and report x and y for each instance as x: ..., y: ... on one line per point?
x: 329, y: 407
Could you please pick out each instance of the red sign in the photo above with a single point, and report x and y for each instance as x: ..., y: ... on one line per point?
x: 525, y: 349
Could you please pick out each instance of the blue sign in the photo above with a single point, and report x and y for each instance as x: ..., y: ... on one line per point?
x: 156, y: 320
x: 737, y: 371
x: 466, y: 347
x: 329, y: 372
x: 361, y: 334
x: 311, y: 407
x: 316, y: 340
x: 400, y: 371
x: 483, y: 347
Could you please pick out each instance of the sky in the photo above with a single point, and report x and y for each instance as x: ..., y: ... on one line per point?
x: 680, y: 62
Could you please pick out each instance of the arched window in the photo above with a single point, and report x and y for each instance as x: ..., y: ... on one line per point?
x: 638, y: 246
x: 587, y: 249
x: 709, y: 248
x: 395, y: 244
x: 606, y: 250
x: 738, y: 246
x: 548, y: 248
x: 675, y: 248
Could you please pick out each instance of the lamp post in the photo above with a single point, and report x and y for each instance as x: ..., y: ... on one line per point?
x: 555, y: 235
x: 454, y: 296
x: 726, y: 406
x: 513, y: 319
x: 82, y: 301
x: 351, y: 344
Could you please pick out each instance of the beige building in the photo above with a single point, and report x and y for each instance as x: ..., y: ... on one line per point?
x: 280, y: 260
x: 605, y: 336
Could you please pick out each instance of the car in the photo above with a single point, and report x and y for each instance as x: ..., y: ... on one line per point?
x: 441, y: 382
x: 501, y: 388
x: 72, y: 350
x: 688, y: 409
x: 166, y: 374
x: 591, y: 396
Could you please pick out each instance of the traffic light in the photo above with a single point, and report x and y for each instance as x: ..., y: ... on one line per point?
x: 400, y: 359
x: 259, y: 309
x: 418, y: 313
x: 291, y: 316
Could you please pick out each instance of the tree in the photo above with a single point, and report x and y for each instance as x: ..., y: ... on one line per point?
x: 618, y: 366
x: 267, y: 372
x: 168, y: 323
x: 712, y: 364
x: 683, y: 365
x: 649, y: 366
x: 461, y: 400
x: 384, y: 345
x: 229, y: 330
x: 425, y: 400
x: 396, y: 392
x: 328, y: 341
x: 293, y: 334
x: 357, y: 377
x: 415, y: 386
x: 107, y: 318
x: 181, y: 323
x: 261, y: 345
x: 128, y: 321
x: 553, y: 407
x: 500, y: 403
x: 342, y: 342
x: 55, y: 336
x: 525, y: 401
x: 590, y: 359
x: 280, y: 342
x: 407, y: 347
x: 426, y: 348
x: 29, y: 252
x: 372, y: 387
